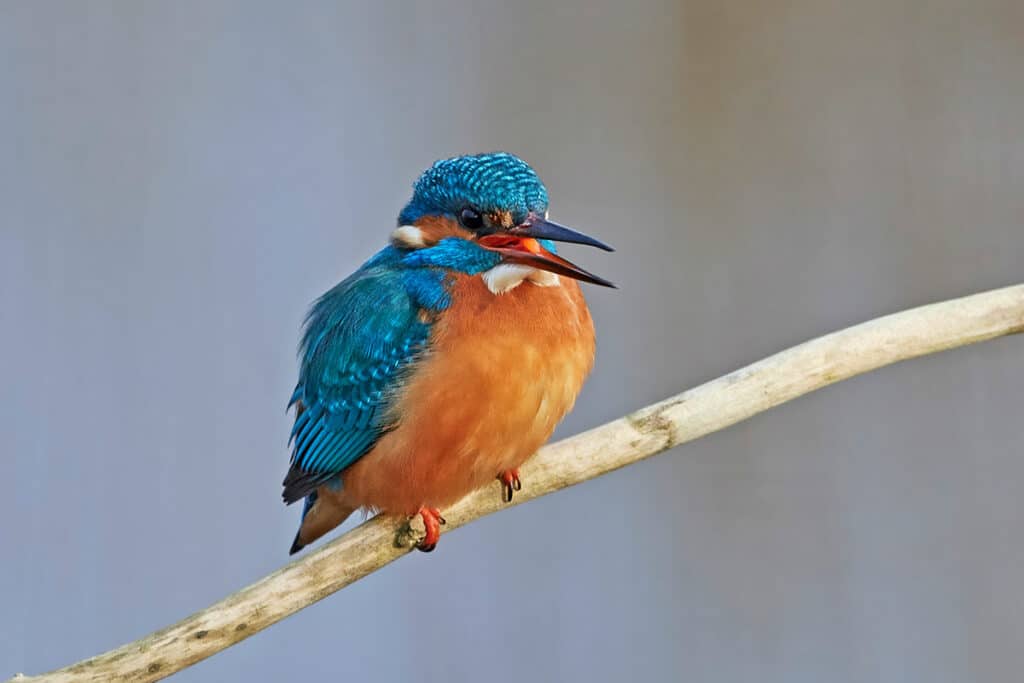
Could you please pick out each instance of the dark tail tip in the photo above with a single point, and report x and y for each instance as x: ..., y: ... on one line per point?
x: 296, y: 545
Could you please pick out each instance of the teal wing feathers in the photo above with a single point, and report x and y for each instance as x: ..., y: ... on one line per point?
x: 362, y: 339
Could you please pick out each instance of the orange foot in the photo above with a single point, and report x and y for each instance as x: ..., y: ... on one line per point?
x: 509, y: 483
x: 432, y: 520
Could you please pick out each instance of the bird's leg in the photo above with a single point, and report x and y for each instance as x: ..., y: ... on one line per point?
x: 432, y: 521
x: 509, y: 483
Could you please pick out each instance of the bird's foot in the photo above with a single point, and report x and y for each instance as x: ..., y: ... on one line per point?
x: 509, y: 484
x: 432, y: 521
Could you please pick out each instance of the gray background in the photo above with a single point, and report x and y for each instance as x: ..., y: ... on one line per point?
x: 180, y: 179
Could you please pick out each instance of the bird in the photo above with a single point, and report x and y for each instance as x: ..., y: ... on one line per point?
x: 447, y: 359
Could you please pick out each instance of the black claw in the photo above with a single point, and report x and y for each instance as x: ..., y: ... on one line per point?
x: 509, y: 484
x: 426, y: 548
x: 441, y: 520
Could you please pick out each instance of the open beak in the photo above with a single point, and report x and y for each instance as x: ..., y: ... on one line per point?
x: 520, y: 245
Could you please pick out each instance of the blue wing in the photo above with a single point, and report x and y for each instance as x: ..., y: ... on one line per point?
x: 361, y: 341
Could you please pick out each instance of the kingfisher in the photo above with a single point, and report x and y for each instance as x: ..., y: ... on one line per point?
x: 447, y: 359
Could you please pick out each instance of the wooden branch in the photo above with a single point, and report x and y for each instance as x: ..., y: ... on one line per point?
x: 692, y: 414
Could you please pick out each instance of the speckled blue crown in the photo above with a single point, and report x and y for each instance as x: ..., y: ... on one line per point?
x: 486, y: 182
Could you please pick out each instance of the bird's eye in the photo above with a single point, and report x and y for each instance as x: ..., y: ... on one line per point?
x: 471, y: 219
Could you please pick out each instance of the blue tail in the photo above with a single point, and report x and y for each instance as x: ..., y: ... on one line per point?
x: 298, y: 545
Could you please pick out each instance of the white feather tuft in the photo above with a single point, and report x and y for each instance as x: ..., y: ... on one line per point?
x: 408, y: 236
x: 507, y: 276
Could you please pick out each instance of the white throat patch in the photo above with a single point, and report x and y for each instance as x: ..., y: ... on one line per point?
x: 507, y: 276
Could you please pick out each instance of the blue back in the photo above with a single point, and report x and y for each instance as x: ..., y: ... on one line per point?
x: 363, y: 338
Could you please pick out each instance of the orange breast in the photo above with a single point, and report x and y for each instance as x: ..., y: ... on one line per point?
x: 503, y: 371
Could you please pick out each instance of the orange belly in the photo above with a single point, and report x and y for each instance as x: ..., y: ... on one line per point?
x: 503, y: 371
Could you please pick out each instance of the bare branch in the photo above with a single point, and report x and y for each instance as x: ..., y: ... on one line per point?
x: 687, y: 416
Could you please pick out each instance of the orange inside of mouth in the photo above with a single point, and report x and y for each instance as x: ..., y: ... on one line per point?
x: 497, y: 241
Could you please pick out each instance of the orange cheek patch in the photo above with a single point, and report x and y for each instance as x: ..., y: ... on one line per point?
x: 436, y: 228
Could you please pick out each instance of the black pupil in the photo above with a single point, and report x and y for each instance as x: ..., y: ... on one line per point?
x: 471, y: 219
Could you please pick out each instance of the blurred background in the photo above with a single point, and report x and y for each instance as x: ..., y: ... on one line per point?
x: 180, y: 179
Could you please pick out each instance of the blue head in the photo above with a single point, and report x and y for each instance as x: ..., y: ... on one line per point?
x: 471, y: 213
x: 489, y: 183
